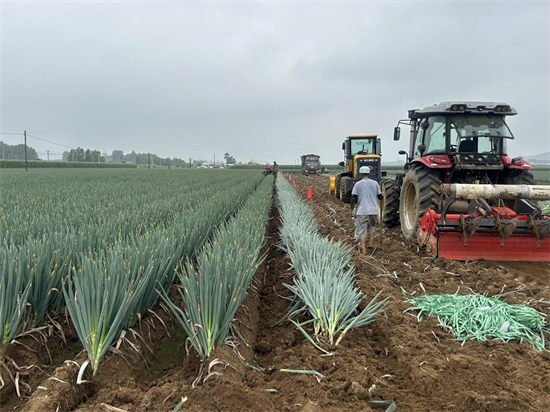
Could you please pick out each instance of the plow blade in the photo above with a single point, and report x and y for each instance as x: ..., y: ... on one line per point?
x: 450, y: 245
x: 501, y: 236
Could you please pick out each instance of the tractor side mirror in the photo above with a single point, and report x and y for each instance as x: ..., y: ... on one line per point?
x: 402, y: 152
x: 396, y: 133
x: 341, y: 164
x: 379, y: 146
x: 421, y: 148
x: 344, y: 146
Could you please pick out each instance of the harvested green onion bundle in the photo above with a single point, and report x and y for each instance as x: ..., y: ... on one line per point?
x: 324, y: 282
x: 479, y: 317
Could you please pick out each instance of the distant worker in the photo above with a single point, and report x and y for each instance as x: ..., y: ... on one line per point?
x: 365, y: 193
x: 275, y: 169
x: 267, y: 170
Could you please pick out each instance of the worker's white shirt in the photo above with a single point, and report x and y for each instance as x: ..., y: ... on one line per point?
x: 366, y: 191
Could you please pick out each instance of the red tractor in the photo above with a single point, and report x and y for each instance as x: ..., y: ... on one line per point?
x: 461, y: 196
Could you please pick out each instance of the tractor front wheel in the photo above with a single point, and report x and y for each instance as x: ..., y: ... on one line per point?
x: 337, y: 185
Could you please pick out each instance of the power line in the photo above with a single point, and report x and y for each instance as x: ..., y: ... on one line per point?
x: 38, y: 138
x: 47, y: 141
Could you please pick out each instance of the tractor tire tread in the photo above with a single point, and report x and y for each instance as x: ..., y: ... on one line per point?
x: 427, y: 183
x: 390, y: 210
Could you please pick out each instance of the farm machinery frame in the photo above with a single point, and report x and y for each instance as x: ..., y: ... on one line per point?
x: 461, y: 196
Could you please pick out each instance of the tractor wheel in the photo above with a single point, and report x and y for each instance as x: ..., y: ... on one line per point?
x: 389, y: 208
x: 337, y: 186
x: 344, y: 196
x: 420, y: 191
x: 518, y: 177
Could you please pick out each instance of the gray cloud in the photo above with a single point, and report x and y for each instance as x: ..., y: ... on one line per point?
x: 264, y: 81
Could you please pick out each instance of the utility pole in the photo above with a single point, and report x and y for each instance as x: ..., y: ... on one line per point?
x: 189, y: 163
x: 3, y: 151
x: 26, y: 166
x: 48, y: 155
x: 214, y: 160
x: 149, y: 161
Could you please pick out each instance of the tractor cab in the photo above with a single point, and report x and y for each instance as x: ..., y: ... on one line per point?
x: 361, y: 150
x: 468, y: 137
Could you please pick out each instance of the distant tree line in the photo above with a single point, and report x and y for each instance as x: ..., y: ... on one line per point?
x: 83, y: 155
x: 118, y: 156
x: 16, y: 152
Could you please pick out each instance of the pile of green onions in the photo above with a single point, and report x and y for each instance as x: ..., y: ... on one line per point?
x: 324, y: 282
x: 479, y: 317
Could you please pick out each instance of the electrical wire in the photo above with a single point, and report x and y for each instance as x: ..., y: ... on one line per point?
x: 48, y: 141
x: 38, y: 138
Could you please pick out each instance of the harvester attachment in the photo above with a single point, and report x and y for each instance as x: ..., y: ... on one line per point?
x: 539, y: 228
x: 475, y: 224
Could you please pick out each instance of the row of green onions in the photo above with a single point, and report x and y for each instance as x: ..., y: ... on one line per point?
x: 324, y: 283
x: 48, y: 269
x: 106, y: 297
x: 213, y: 289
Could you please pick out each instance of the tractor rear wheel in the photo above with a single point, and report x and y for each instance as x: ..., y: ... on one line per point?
x: 519, y: 177
x: 389, y: 207
x: 420, y: 191
x: 337, y: 185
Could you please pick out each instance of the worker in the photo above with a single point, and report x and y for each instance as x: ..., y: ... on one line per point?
x: 275, y: 169
x: 365, y: 193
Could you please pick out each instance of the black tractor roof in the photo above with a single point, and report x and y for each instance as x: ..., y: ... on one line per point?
x: 461, y: 107
x: 362, y: 136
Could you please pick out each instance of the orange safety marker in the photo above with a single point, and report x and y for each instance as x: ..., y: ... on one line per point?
x: 310, y: 192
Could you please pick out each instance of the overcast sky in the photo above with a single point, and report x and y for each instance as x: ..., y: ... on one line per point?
x: 263, y: 81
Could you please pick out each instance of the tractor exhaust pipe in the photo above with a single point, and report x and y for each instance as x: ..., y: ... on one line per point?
x: 466, y: 191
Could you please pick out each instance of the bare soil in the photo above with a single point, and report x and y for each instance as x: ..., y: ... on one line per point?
x: 419, y: 365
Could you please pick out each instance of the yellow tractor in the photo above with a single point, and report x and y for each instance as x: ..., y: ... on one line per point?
x: 359, y: 150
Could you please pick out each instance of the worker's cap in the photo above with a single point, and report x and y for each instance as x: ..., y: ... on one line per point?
x: 364, y: 170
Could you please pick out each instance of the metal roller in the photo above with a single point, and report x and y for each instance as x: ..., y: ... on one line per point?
x: 467, y: 191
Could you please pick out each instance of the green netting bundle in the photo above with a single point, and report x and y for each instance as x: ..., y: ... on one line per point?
x: 479, y: 317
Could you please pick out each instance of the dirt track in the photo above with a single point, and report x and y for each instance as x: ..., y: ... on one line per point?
x: 417, y: 364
